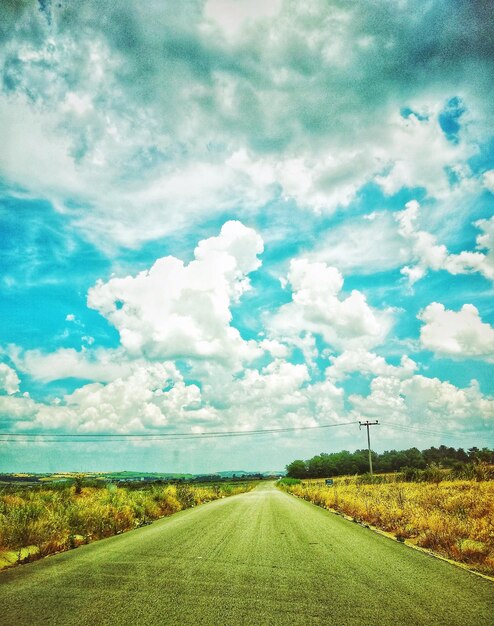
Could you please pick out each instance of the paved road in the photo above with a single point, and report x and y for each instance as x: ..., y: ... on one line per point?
x: 259, y: 558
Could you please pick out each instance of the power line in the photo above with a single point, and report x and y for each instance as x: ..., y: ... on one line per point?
x: 113, y: 437
x: 38, y: 437
x: 426, y: 431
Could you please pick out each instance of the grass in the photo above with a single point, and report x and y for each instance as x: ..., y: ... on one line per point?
x: 453, y: 518
x: 289, y: 481
x: 35, y: 522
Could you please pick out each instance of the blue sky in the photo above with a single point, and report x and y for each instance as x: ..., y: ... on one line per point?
x: 230, y: 215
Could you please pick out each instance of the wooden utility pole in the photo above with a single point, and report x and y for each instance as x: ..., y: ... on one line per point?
x: 367, y: 424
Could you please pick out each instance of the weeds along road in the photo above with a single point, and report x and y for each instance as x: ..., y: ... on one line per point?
x: 258, y: 558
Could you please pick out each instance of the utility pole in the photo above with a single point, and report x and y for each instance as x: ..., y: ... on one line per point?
x: 367, y: 424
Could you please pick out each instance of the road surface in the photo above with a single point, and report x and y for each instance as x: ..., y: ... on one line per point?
x: 262, y: 557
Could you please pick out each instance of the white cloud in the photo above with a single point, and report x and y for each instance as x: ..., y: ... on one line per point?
x: 34, y: 154
x: 232, y: 17
x: 9, y: 381
x: 364, y: 245
x: 367, y: 363
x: 120, y: 130
x: 426, y: 254
x: 18, y: 410
x: 426, y: 402
x: 99, y: 365
x: 383, y: 241
x: 418, y: 154
x: 488, y: 179
x: 475, y: 261
x: 155, y: 397
x: 409, y: 152
x: 174, y: 310
x: 152, y: 397
x: 318, y: 306
x: 459, y: 334
x: 279, y: 395
x: 275, y: 348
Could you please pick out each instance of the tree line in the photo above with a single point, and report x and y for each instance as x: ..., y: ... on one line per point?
x: 344, y: 462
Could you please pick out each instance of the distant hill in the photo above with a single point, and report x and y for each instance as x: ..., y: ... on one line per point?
x: 130, y: 476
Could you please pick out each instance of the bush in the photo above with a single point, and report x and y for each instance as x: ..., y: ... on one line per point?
x: 289, y: 481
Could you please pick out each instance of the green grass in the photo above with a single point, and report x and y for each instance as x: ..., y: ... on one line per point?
x: 289, y: 481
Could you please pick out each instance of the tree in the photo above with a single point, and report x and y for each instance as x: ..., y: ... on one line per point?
x: 343, y: 463
x: 297, y: 469
x: 78, y: 483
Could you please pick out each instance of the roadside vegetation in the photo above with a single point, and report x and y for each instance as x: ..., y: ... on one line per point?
x: 41, y: 520
x: 346, y: 463
x: 432, y: 508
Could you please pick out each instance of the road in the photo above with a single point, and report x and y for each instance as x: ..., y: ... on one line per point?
x: 262, y: 557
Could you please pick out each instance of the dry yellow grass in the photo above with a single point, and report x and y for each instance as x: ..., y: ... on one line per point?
x: 49, y: 519
x: 453, y: 518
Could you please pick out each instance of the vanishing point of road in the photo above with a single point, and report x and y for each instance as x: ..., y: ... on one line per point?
x: 263, y: 557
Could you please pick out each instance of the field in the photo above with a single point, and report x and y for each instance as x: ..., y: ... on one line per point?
x: 41, y: 520
x: 453, y: 518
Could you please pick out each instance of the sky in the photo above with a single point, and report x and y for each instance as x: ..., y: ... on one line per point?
x: 232, y: 215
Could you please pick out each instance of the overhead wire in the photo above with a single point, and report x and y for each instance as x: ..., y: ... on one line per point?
x: 427, y: 431
x: 34, y: 437
x: 115, y: 437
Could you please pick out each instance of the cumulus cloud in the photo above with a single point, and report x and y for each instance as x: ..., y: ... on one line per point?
x: 175, y: 310
x: 460, y: 334
x: 383, y: 241
x: 429, y: 255
x: 9, y: 381
x: 319, y: 306
x: 98, y: 365
x: 411, y: 151
x: 18, y: 411
x: 424, y: 401
x: 489, y: 180
x: 152, y: 397
x: 155, y: 397
x: 279, y: 382
x: 135, y: 120
x: 275, y: 348
x: 368, y: 363
x: 281, y: 394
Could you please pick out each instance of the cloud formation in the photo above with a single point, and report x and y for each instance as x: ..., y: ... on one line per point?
x: 348, y: 143
x: 384, y: 240
x: 275, y: 107
x: 368, y: 364
x: 319, y: 307
x: 9, y: 381
x: 175, y: 310
x: 426, y: 402
x: 460, y: 334
x: 429, y: 255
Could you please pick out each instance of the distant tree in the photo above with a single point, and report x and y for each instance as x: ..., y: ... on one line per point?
x: 344, y: 462
x: 297, y: 469
x: 485, y: 455
x: 78, y: 483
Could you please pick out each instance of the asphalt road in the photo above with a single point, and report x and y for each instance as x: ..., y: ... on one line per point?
x: 258, y: 558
